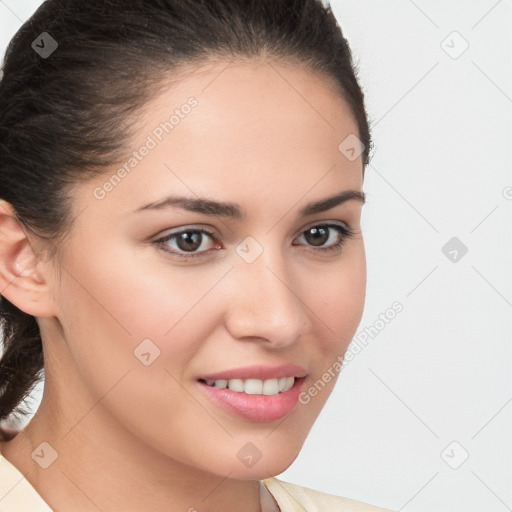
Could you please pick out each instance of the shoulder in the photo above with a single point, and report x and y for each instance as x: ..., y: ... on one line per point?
x: 16, y: 493
x: 296, y: 498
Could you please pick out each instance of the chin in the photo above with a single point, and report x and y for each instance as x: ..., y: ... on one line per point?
x: 272, y: 463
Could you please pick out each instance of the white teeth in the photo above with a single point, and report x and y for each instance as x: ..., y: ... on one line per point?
x: 255, y: 386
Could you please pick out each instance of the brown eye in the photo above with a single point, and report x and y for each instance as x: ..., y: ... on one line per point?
x: 318, y: 236
x: 187, y: 242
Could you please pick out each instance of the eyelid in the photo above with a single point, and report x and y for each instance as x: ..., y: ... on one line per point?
x: 184, y: 229
x: 214, y: 233
x: 324, y: 223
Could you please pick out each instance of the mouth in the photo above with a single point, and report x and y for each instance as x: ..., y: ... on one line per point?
x: 255, y: 400
x: 257, y: 372
x: 267, y: 387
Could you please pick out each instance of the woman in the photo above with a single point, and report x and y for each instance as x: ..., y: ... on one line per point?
x: 180, y: 201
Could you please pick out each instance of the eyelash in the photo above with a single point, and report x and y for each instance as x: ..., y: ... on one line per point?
x: 345, y: 233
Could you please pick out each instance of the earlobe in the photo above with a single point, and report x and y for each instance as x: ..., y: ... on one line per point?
x: 21, y: 282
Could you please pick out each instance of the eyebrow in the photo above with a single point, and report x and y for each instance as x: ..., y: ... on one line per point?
x: 235, y: 211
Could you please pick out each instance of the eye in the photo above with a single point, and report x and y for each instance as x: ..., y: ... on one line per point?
x: 193, y: 243
x: 318, y: 236
x: 187, y: 242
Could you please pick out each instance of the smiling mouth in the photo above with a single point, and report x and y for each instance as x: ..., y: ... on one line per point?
x: 266, y: 387
x: 253, y: 399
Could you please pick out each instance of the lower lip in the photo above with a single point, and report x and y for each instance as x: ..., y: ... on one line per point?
x: 256, y: 408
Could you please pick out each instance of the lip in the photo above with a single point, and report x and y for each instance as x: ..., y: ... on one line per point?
x: 255, y: 408
x: 260, y: 372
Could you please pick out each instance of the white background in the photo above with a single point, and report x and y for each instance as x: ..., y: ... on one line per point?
x: 440, y: 371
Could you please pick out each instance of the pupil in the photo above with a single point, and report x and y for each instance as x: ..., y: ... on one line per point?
x: 189, y: 241
x: 320, y: 236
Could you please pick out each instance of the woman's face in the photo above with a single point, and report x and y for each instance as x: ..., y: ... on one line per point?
x: 141, y: 315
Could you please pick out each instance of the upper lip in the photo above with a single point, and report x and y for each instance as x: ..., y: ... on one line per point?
x: 258, y: 372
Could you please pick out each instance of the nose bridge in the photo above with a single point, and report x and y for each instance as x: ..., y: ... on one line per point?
x: 265, y: 303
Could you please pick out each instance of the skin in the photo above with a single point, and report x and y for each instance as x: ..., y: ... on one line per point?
x: 133, y: 437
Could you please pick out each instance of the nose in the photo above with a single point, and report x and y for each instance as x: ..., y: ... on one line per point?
x: 265, y: 301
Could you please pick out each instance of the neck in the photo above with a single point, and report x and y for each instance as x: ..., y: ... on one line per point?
x: 100, y: 465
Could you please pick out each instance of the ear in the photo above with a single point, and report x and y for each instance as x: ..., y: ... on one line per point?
x: 21, y: 282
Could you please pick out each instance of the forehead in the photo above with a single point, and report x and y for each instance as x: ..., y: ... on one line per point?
x: 252, y: 128
x: 254, y: 102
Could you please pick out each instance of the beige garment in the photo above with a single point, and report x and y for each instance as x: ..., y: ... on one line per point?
x: 17, y: 495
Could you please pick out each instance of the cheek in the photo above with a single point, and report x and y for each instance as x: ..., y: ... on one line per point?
x: 339, y: 300
x: 115, y: 308
x: 131, y: 336
x: 338, y: 308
